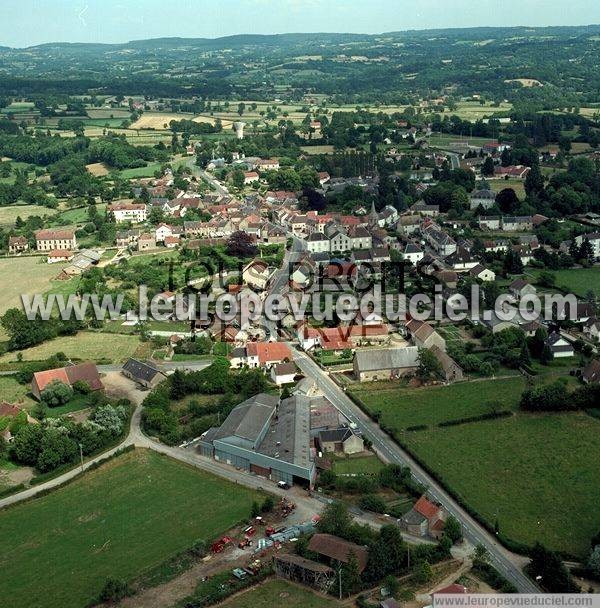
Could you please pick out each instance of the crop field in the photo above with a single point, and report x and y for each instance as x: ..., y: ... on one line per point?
x: 108, y: 113
x: 536, y: 475
x: 158, y: 120
x: 83, y: 346
x: 278, y: 593
x: 147, y: 171
x: 129, y: 515
x: 97, y: 169
x: 24, y: 275
x: 9, y: 215
x: 401, y: 407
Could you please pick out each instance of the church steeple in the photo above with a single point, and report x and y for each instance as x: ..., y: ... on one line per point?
x: 373, y: 216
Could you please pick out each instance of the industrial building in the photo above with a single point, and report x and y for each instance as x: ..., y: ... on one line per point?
x: 266, y: 437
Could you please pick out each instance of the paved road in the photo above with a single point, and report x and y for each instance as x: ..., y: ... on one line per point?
x: 503, y: 560
x: 191, y: 163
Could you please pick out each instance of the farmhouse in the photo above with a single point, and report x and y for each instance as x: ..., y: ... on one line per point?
x: 283, y: 373
x: 59, y: 255
x: 520, y: 288
x: 17, y: 244
x: 128, y: 212
x: 591, y: 374
x: 426, y: 518
x: 424, y: 336
x: 385, y: 363
x: 340, y: 441
x: 51, y: 239
x: 482, y: 198
x: 451, y: 370
x: 267, y: 438
x: 250, y: 177
x: 84, y: 372
x: 257, y: 274
x: 559, y: 346
x: 143, y: 373
x: 146, y: 242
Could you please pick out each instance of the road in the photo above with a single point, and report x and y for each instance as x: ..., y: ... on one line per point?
x: 507, y: 563
x: 196, y: 170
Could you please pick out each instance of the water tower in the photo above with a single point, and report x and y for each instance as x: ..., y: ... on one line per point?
x: 238, y: 127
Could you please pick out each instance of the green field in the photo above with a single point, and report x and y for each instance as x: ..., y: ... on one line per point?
x: 577, y: 280
x: 25, y: 275
x: 275, y: 593
x: 357, y: 464
x: 13, y: 392
x: 117, y: 521
x: 537, y: 475
x: 83, y: 346
x: 147, y: 171
x: 9, y: 215
x: 401, y: 408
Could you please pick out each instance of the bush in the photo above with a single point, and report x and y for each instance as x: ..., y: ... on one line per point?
x: 466, y: 420
x: 372, y: 502
x: 114, y: 590
x: 56, y: 394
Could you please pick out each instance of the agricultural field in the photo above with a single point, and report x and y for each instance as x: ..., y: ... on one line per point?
x: 97, y: 169
x: 127, y: 516
x: 275, y: 593
x: 518, y: 185
x: 576, y: 280
x: 535, y: 474
x: 24, y: 275
x: 147, y: 171
x: 402, y: 407
x: 158, y: 120
x: 84, y: 346
x: 9, y: 215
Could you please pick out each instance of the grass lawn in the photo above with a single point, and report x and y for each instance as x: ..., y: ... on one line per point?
x: 79, y: 402
x: 357, y: 464
x: 536, y: 474
x: 28, y: 275
x: 9, y: 215
x: 13, y: 392
x: 576, y: 280
x: 117, y: 521
x: 147, y: 171
x: 276, y: 593
x: 403, y: 407
x: 84, y: 346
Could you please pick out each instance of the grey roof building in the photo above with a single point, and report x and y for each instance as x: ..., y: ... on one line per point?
x: 385, y: 363
x: 265, y: 437
x: 143, y: 373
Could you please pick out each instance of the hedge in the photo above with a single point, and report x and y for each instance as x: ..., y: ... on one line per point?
x: 488, y: 416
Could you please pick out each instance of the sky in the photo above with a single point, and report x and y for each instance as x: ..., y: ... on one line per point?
x: 28, y: 22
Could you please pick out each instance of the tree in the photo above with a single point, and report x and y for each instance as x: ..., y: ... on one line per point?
x: 593, y: 562
x: 27, y: 443
x: 507, y: 200
x: 241, y: 244
x: 255, y: 510
x: 487, y: 169
x: 586, y: 251
x: 553, y: 575
x: 423, y: 573
x: 238, y: 179
x: 56, y: 448
x: 110, y: 418
x: 268, y: 505
x: 114, y: 590
x: 350, y: 576
x: 524, y: 356
x: 335, y: 519
x: 453, y: 529
x: 534, y: 182
x: 480, y: 554
x: 57, y: 393
x: 429, y: 366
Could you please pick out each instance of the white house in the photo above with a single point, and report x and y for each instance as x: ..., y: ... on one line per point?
x: 128, y: 212
x: 162, y: 232
x: 593, y: 238
x: 560, y: 347
x: 413, y: 253
x: 317, y: 242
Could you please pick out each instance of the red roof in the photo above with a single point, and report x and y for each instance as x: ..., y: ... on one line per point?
x: 86, y: 372
x: 426, y: 508
x: 7, y: 409
x: 453, y: 588
x: 269, y: 352
x: 56, y: 235
x: 60, y: 253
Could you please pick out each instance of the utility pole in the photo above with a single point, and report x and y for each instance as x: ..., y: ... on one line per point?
x: 340, y: 578
x: 81, y: 456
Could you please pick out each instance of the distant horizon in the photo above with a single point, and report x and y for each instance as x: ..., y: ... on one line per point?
x: 297, y: 33
x: 28, y: 23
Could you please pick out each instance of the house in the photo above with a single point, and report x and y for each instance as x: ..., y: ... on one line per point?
x: 591, y: 374
x: 128, y: 212
x: 143, y: 373
x: 485, y: 199
x: 490, y: 222
x: 317, y: 242
x: 385, y: 363
x: 269, y: 354
x: 126, y: 238
x: 441, y: 242
x: 591, y: 329
x: 495, y: 324
x: 51, y: 239
x: 338, y: 550
x: 162, y: 231
x: 451, y: 370
x: 69, y: 375
x: 453, y: 589
x: 516, y: 171
x: 408, y: 224
x: 17, y: 244
x: 593, y: 238
x: 560, y: 347
x: 426, y: 518
x: 412, y: 253
x: 283, y: 373
x: 516, y: 224
x: 60, y: 255
x: 270, y: 164
x: 146, y: 242
x: 256, y: 274
x: 481, y: 273
x: 426, y: 210
x: 250, y: 177
x: 172, y: 241
x: 340, y: 441
x: 267, y: 438
x: 461, y: 260
x: 424, y: 336
x: 520, y: 288
x: 10, y: 413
